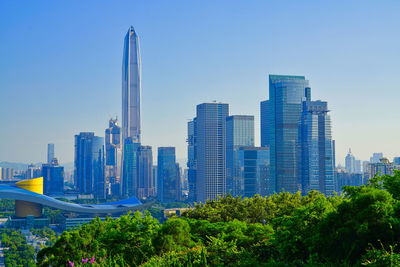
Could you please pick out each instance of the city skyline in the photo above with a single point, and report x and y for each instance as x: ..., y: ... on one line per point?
x: 356, y: 108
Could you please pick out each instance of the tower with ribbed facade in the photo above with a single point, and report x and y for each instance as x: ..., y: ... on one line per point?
x: 131, y: 87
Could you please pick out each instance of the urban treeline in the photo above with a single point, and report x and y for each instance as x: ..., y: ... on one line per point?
x: 359, y: 228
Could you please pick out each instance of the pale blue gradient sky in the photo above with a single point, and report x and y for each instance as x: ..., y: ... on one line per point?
x: 60, y: 67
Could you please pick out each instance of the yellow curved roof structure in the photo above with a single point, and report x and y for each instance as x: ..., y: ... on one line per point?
x: 34, y: 185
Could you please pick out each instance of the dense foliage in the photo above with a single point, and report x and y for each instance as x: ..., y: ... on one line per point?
x: 6, y: 207
x: 45, y: 233
x: 16, y: 251
x: 362, y: 227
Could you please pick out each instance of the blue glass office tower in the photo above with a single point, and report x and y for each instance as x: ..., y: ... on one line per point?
x: 286, y: 94
x: 316, y: 167
x: 53, y: 178
x: 50, y: 153
x: 146, y: 184
x: 211, y: 151
x: 130, y: 168
x: 89, y: 164
x: 168, y: 184
x: 254, y: 169
x: 192, y: 162
x: 264, y: 122
x: 239, y: 133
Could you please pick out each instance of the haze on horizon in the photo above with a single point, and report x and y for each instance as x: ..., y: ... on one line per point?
x: 61, y: 63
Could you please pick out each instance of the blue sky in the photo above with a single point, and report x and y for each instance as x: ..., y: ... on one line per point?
x: 60, y: 67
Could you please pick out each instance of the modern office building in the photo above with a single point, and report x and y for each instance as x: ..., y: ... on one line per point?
x: 113, y: 166
x: 145, y: 185
x: 211, y: 150
x: 155, y: 178
x: 50, y: 153
x: 192, y: 161
x: 264, y: 122
x: 396, y: 160
x: 130, y: 168
x: 357, y: 166
x: 131, y: 87
x: 169, y: 183
x: 350, y: 162
x: 315, y: 168
x: 239, y: 133
x: 376, y: 158
x: 343, y: 177
x: 254, y: 165
x: 286, y: 94
x: 53, y: 178
x: 89, y: 164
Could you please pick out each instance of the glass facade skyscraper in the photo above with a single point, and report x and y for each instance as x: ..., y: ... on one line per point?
x: 254, y: 170
x: 286, y: 94
x: 239, y: 133
x: 113, y: 145
x: 264, y: 122
x: 146, y: 184
x: 53, y: 178
x: 89, y: 164
x: 130, y: 168
x: 192, y: 162
x: 168, y: 184
x: 211, y: 150
x: 131, y: 87
x: 316, y: 167
x: 50, y: 153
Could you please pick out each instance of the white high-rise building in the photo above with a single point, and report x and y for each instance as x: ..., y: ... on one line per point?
x: 131, y: 87
x: 350, y: 162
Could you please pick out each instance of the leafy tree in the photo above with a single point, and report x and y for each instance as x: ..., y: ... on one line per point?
x: 365, y: 218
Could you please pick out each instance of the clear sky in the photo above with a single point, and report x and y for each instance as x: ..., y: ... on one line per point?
x: 60, y: 67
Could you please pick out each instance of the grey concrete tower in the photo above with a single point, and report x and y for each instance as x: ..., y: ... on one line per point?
x: 131, y: 87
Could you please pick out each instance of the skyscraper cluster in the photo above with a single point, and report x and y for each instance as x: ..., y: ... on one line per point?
x: 119, y: 165
x: 355, y: 174
x: 296, y: 153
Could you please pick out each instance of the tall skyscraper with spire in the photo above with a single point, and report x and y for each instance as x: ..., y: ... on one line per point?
x: 131, y: 87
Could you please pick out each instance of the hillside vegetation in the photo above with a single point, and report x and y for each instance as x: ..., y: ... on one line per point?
x: 360, y: 228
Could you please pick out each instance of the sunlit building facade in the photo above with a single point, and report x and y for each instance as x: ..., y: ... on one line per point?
x: 168, y: 175
x: 286, y: 94
x: 89, y: 164
x: 254, y: 165
x: 211, y: 150
x: 315, y: 168
x: 239, y: 133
